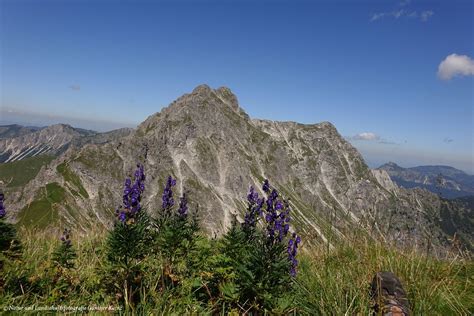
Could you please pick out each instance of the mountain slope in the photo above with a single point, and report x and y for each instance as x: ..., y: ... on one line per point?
x: 216, y: 151
x: 15, y: 130
x: 50, y: 140
x: 448, y: 181
x: 19, y: 142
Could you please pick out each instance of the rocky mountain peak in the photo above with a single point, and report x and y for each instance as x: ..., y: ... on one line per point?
x: 203, y: 89
x: 61, y: 128
x: 204, y: 94
x: 226, y: 94
x: 204, y: 108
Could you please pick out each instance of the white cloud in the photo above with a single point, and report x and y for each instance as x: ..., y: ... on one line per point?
x: 75, y: 87
x: 366, y: 136
x: 425, y: 15
x: 455, y: 65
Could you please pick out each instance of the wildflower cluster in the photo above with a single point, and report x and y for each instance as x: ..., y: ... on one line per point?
x: 132, y: 197
x: 128, y: 239
x: 277, y: 218
x: 128, y: 242
x: 176, y: 232
x: 262, y: 262
x: 277, y: 215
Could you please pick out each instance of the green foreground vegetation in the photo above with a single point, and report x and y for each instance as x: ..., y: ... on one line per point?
x: 166, y: 264
x: 334, y: 282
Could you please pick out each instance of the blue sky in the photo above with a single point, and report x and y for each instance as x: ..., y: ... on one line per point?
x: 369, y: 67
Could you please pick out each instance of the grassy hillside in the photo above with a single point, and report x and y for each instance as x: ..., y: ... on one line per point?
x: 43, y: 210
x: 332, y: 282
x: 19, y: 173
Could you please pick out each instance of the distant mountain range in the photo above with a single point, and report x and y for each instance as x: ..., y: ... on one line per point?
x: 216, y: 151
x: 18, y: 142
x: 15, y: 130
x: 447, y: 181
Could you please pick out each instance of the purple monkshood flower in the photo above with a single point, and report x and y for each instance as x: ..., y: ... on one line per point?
x: 277, y: 215
x: 252, y: 196
x: 292, y: 252
x: 131, y: 197
x: 277, y: 220
x: 3, y: 213
x: 183, y: 206
x: 65, y: 237
x: 167, y: 197
x: 266, y: 186
x: 278, y: 205
x: 122, y: 217
x: 254, y: 209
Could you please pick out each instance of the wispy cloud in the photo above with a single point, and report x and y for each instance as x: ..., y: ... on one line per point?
x: 377, y: 16
x: 371, y: 137
x: 425, y: 15
x: 365, y: 136
x: 404, y: 11
x: 455, y: 65
x: 75, y: 87
x: 448, y: 140
x: 387, y: 142
x: 398, y: 14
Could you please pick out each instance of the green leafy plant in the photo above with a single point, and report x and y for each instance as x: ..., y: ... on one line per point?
x: 176, y: 235
x: 263, y: 259
x: 128, y: 244
x: 10, y: 246
x: 65, y: 254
